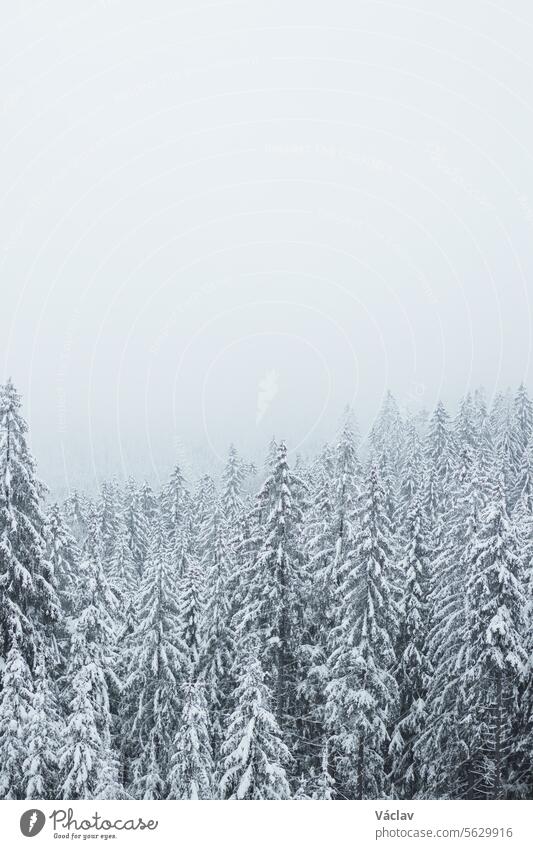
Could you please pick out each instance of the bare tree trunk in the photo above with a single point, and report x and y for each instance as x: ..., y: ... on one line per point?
x: 360, y: 769
x: 498, y: 739
x: 282, y: 648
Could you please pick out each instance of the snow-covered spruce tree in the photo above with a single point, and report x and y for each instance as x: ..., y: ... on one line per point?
x: 464, y: 426
x: 523, y: 488
x: 271, y: 606
x: 149, y: 506
x: 386, y: 444
x: 108, y: 509
x: 231, y: 497
x: 485, y: 439
x: 495, y: 651
x: 123, y: 574
x: 203, y: 499
x: 521, y: 435
x: 87, y: 761
x: 156, y: 657
x: 175, y: 502
x: 29, y: 607
x: 318, y: 544
x: 254, y: 755
x: 43, y: 735
x: 63, y: 553
x: 191, y: 601
x: 137, y: 524
x: 16, y: 707
x: 30, y: 612
x: 445, y: 743
x: 504, y: 444
x: 413, y: 671
x: 76, y: 510
x: 271, y: 457
x: 192, y: 767
x: 411, y: 476
x: 218, y: 647
x: 328, y: 539
x: 440, y: 453
x: 386, y: 437
x: 347, y: 476
x: 523, y: 778
x: 500, y: 414
x: 322, y: 783
x: 362, y: 693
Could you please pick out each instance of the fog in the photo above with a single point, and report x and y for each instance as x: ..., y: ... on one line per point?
x: 223, y: 221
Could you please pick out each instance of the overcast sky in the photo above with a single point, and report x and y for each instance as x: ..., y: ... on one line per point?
x: 225, y: 220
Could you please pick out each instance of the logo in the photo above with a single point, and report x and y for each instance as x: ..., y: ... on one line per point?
x: 32, y: 822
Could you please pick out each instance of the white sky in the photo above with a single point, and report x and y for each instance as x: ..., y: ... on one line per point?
x: 225, y: 220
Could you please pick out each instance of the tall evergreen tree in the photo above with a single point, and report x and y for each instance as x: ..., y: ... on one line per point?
x: 29, y: 606
x: 30, y: 612
x: 271, y: 608
x: 218, y: 648
x: 87, y: 761
x: 44, y: 732
x: 16, y: 706
x: 362, y: 693
x: 192, y: 768
x: 151, y: 698
x: 123, y: 572
x: 191, y: 597
x: 495, y: 651
x: 521, y: 434
x: 63, y: 553
x: 254, y: 755
x: 137, y: 524
x: 232, y: 482
x: 413, y: 670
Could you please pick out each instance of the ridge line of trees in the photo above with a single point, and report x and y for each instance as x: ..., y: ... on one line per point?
x: 362, y: 628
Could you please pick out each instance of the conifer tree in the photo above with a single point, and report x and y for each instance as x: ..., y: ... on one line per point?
x: 191, y: 598
x: 149, y: 505
x: 151, y: 701
x: 271, y: 607
x: 175, y: 505
x: 495, y: 651
x: 30, y: 612
x: 362, y: 693
x: 63, y: 553
x: 108, y: 509
x: 218, y: 649
x: 440, y: 456
x: 386, y: 451
x: 29, y: 607
x: 192, y: 768
x: 87, y: 762
x: 231, y: 498
x: 521, y: 434
x: 43, y: 732
x: 122, y: 572
x: 137, y: 525
x: 329, y: 529
x: 76, y: 510
x: 413, y: 670
x: 411, y: 477
x: 254, y: 755
x: 16, y: 706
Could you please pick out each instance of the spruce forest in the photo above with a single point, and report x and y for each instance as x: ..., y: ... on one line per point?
x: 361, y: 628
